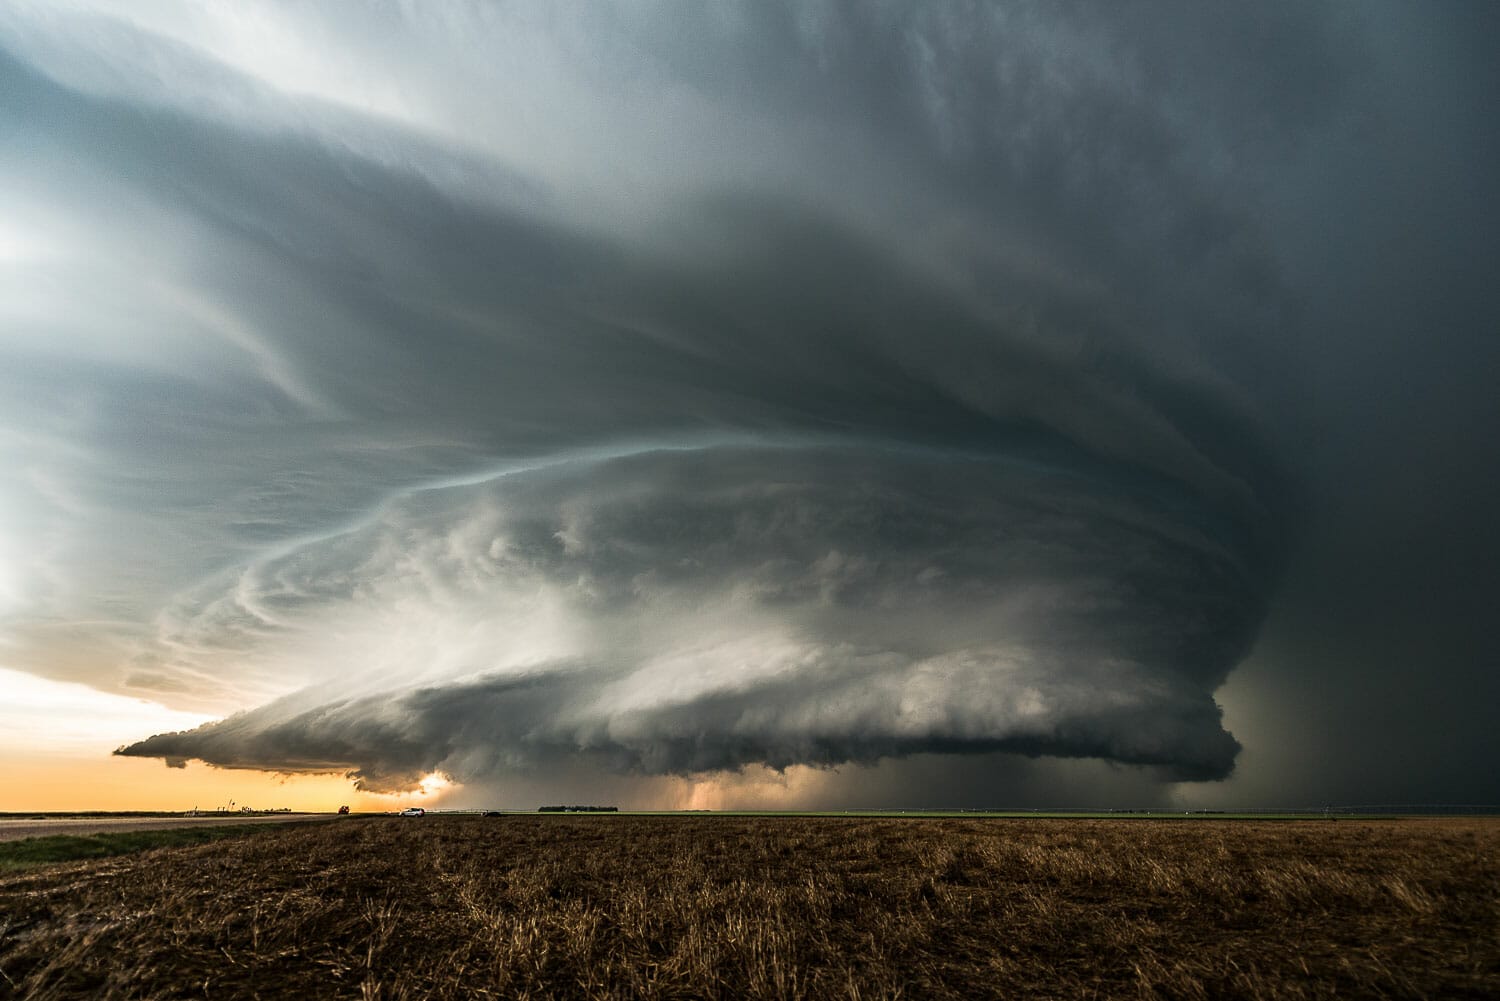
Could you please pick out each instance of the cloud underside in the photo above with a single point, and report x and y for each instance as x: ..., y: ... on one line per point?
x: 708, y: 609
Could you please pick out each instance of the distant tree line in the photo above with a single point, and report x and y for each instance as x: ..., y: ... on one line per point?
x: 578, y: 809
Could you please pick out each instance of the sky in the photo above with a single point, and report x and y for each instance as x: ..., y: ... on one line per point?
x: 753, y: 404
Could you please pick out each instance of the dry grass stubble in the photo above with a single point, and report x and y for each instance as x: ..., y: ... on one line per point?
x: 607, y: 907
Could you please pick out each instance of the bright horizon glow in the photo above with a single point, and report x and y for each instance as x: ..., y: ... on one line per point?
x: 58, y: 737
x: 58, y: 785
x: 433, y: 784
x: 75, y: 720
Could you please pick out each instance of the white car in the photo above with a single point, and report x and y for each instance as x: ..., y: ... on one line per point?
x: 413, y: 811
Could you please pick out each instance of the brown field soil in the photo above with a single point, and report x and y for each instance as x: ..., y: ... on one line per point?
x: 16, y: 828
x: 732, y: 907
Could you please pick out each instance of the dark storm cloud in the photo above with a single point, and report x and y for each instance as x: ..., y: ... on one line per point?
x: 1083, y: 581
x: 820, y: 383
x: 724, y: 607
x: 465, y: 321
x: 1375, y: 681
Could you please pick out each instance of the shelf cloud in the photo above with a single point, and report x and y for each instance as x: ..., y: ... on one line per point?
x: 708, y: 609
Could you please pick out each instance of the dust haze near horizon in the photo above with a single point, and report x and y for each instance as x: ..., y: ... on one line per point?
x: 765, y: 404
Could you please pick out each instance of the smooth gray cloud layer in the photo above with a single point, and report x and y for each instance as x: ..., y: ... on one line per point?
x: 494, y: 388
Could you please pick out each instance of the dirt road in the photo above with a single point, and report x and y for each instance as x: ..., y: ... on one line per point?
x: 15, y: 828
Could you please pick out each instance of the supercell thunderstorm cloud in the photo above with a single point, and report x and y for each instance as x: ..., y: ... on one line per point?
x: 711, y: 608
x: 657, y: 390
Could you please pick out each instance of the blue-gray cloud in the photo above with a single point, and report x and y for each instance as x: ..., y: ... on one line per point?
x: 488, y: 389
x: 691, y: 611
